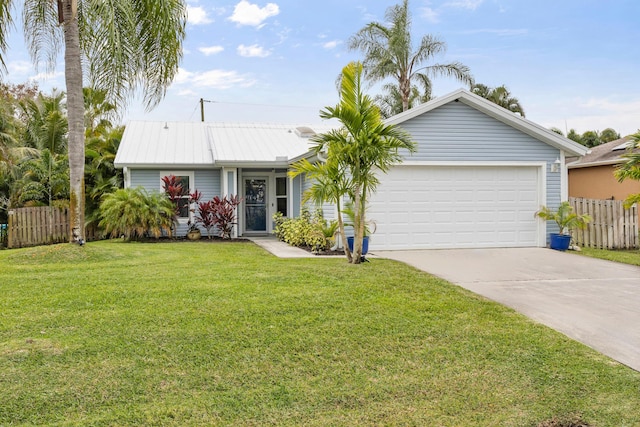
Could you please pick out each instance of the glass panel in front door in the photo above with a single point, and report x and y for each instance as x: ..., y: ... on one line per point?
x: 255, y: 202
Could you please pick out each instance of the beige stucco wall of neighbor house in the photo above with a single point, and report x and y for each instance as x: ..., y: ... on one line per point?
x: 598, y: 182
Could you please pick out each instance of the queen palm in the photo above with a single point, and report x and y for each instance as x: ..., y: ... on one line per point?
x: 121, y: 45
x: 389, y: 52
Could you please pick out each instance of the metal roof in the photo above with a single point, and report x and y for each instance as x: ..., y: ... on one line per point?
x: 164, y: 143
x: 197, y: 144
x: 259, y: 142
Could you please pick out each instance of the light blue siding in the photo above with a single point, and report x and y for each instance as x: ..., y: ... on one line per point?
x: 456, y: 132
x: 206, y: 181
x: 296, y: 196
x: 328, y: 209
x: 145, y: 178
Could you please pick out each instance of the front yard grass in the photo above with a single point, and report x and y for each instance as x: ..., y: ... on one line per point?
x: 624, y: 256
x: 226, y: 334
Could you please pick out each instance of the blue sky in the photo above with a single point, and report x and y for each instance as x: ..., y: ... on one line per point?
x: 571, y: 63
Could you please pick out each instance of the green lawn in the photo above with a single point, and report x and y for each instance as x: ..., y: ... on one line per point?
x: 624, y: 256
x: 226, y: 334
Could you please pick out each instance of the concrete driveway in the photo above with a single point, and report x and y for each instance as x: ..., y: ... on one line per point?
x: 592, y: 301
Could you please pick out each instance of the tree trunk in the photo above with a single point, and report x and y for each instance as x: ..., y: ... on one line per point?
x: 75, y: 114
x: 356, y: 256
x: 343, y: 235
x: 405, y: 92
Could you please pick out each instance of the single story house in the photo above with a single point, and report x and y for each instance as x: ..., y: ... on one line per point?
x: 479, y: 174
x: 592, y: 176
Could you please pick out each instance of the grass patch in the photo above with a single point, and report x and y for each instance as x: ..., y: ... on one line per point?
x: 624, y: 256
x: 224, y: 333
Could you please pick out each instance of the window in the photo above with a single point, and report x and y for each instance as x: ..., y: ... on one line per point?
x: 185, y: 180
x: 281, y: 194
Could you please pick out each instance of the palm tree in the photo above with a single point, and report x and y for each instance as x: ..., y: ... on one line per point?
x: 500, y: 96
x: 42, y: 181
x: 390, y: 103
x: 122, y: 46
x: 389, y: 52
x: 45, y: 122
x: 102, y: 177
x: 331, y: 181
x: 363, y: 146
x: 97, y: 111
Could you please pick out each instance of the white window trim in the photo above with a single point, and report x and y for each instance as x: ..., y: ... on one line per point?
x: 192, y: 185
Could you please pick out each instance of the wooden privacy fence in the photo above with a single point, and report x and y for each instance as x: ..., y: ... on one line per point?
x: 37, y: 226
x: 612, y: 226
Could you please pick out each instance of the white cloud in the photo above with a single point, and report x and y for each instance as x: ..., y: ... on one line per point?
x: 464, y: 4
x: 253, y: 51
x: 594, y: 114
x: 197, y: 15
x: 47, y: 76
x: 19, y: 67
x: 430, y: 15
x: 217, y: 79
x: 332, y: 44
x: 211, y: 50
x: 246, y: 13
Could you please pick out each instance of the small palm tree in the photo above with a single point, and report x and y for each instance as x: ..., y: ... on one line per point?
x: 500, y: 96
x: 356, y: 152
x: 565, y: 217
x: 132, y: 212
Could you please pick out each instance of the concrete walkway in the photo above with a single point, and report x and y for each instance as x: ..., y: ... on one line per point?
x: 593, y: 301
x: 280, y: 249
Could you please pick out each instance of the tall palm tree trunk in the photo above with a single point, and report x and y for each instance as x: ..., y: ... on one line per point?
x: 75, y: 114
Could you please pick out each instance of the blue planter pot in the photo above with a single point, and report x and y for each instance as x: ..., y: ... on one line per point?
x: 559, y: 242
x: 365, y: 244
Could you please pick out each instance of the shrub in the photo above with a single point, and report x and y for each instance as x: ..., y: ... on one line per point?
x: 134, y: 213
x: 308, y: 229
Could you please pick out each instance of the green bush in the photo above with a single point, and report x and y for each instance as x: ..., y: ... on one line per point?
x: 135, y: 213
x: 308, y: 230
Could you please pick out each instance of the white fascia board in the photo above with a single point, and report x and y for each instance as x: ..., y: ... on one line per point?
x: 181, y: 166
x: 253, y: 165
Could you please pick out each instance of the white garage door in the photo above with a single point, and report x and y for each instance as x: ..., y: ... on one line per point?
x: 424, y: 207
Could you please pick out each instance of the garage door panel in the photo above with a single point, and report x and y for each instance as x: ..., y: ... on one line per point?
x: 448, y: 207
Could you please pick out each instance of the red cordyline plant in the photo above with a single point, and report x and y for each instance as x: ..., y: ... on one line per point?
x: 219, y: 213
x: 175, y: 191
x: 205, y: 216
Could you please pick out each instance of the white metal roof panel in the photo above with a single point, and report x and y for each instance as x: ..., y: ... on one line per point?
x: 164, y: 144
x: 258, y: 142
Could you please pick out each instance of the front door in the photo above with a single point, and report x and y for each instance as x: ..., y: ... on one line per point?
x: 255, y: 205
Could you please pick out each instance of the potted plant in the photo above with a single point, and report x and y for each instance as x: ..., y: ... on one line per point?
x: 566, y: 219
x: 350, y: 213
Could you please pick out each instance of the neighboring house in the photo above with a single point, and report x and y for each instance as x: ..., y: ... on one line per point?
x: 479, y: 175
x: 592, y: 176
